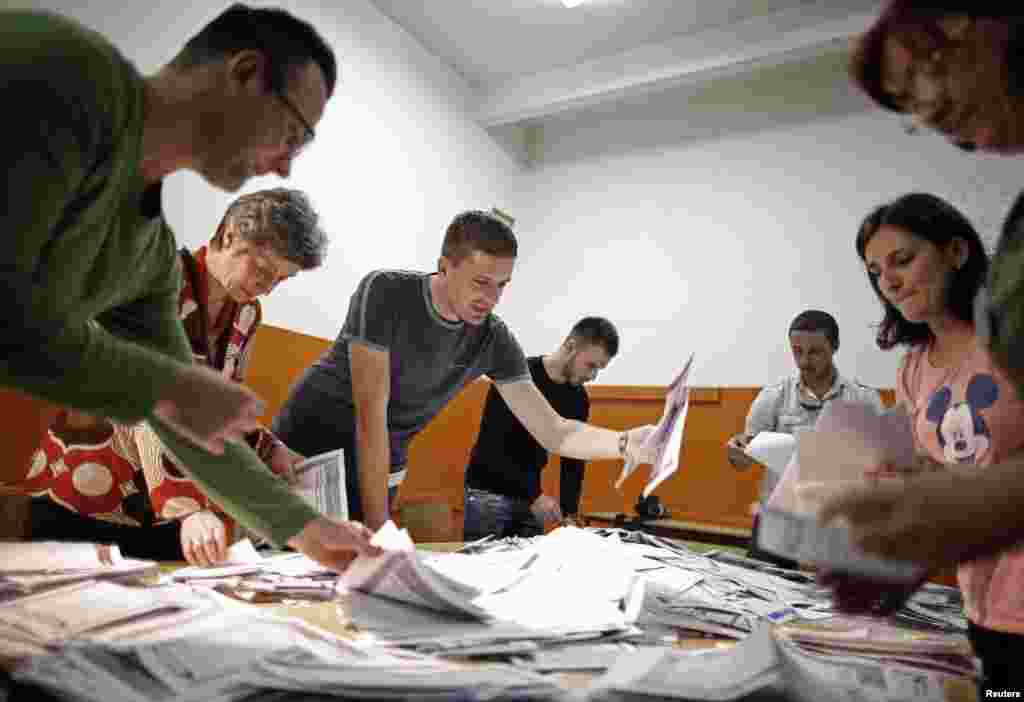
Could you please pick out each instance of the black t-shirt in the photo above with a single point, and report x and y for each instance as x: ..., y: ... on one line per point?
x: 507, y: 460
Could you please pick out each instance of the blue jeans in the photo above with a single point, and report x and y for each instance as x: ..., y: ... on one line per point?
x: 488, y: 513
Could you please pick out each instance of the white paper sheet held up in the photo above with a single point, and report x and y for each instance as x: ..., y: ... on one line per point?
x: 667, y: 436
x: 772, y: 449
x: 320, y: 480
x: 801, y: 538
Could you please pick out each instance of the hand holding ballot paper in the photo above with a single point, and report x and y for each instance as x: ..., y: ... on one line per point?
x: 773, y: 450
x: 849, y: 443
x: 666, y: 440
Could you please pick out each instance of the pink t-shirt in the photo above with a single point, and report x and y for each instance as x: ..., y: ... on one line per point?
x: 970, y: 415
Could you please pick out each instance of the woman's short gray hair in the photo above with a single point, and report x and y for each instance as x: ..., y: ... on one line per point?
x: 282, y: 219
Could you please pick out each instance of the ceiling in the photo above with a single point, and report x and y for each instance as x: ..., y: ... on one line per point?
x: 531, y: 60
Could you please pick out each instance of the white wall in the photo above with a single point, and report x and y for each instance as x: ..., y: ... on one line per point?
x: 696, y: 222
x: 706, y: 230
x: 396, y: 155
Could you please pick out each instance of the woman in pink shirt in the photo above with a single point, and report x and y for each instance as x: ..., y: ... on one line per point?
x: 926, y: 263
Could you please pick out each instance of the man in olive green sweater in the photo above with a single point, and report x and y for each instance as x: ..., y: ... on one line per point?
x: 88, y: 265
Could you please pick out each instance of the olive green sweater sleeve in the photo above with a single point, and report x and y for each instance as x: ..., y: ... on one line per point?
x: 242, y: 485
x: 75, y: 244
x: 88, y: 267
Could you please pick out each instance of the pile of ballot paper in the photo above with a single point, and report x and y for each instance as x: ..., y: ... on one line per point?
x: 766, y: 665
x: 237, y: 655
x: 611, y: 591
x: 246, y: 571
x: 94, y: 639
x: 609, y: 602
x: 28, y: 567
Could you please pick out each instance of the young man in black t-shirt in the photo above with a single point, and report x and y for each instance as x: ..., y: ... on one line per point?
x: 503, y: 490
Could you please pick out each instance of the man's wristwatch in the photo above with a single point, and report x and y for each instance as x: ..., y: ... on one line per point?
x: 623, y: 442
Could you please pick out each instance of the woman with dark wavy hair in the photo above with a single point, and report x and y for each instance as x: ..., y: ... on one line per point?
x: 926, y: 263
x: 930, y: 222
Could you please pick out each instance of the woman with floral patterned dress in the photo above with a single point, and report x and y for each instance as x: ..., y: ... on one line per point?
x: 95, y: 480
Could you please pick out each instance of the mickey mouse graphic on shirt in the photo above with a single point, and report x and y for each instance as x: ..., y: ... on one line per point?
x: 962, y: 431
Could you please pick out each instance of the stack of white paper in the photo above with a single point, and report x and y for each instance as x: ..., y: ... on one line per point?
x: 774, y: 667
x: 30, y: 566
x: 291, y: 575
x: 233, y: 659
x: 403, y: 574
x: 95, y: 610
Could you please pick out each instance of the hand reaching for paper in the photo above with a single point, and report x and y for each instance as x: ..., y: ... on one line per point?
x: 203, y: 539
x: 334, y: 544
x: 283, y: 461
x: 208, y: 408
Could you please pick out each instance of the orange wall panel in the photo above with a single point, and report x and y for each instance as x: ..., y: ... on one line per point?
x: 706, y: 488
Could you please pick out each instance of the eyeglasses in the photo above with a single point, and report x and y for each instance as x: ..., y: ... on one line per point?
x: 927, y: 98
x: 296, y: 143
x: 266, y: 269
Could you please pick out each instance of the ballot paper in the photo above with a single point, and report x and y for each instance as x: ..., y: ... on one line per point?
x: 242, y: 559
x: 29, y: 566
x: 714, y: 674
x: 401, y: 573
x: 848, y: 440
x: 772, y: 449
x: 875, y: 639
x: 765, y: 665
x: 811, y: 676
x: 71, y: 611
x: 269, y: 658
x: 667, y: 436
x: 320, y: 480
x: 802, y: 539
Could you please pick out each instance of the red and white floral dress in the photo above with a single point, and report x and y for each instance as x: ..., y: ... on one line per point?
x: 98, y: 472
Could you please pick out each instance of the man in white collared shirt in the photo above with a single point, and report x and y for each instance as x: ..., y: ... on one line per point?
x: 794, y: 403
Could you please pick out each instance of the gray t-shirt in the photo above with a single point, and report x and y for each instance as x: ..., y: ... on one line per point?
x: 788, y: 406
x: 431, y: 358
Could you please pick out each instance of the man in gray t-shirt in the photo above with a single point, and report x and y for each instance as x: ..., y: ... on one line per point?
x: 410, y: 342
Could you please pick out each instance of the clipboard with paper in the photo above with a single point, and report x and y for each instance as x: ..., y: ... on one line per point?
x: 667, y: 436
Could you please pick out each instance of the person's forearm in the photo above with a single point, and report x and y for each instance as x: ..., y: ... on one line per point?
x: 998, y: 493
x: 585, y: 442
x: 374, y: 454
x: 243, y: 487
